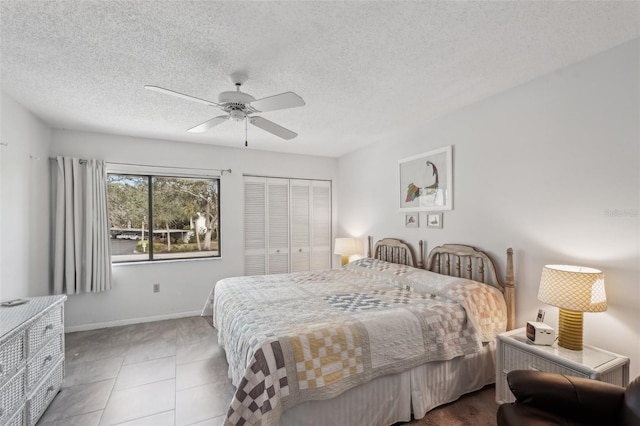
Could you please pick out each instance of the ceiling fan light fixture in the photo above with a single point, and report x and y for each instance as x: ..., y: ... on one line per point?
x: 237, y: 115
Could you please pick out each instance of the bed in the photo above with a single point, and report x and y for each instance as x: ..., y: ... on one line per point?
x: 385, y: 338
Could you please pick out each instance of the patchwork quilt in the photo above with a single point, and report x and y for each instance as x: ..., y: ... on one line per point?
x: 312, y: 335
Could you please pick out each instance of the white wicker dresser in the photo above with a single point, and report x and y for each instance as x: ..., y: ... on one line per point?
x: 514, y: 352
x: 31, y: 358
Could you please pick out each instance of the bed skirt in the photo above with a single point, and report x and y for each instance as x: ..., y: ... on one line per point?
x: 390, y: 399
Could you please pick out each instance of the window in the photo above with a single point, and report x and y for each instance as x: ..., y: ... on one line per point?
x: 163, y: 217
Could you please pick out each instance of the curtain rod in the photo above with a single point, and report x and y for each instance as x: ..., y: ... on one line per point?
x: 222, y: 171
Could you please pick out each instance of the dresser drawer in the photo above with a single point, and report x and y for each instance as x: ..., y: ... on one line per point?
x: 47, y: 326
x: 11, y: 395
x: 12, y: 354
x: 44, y: 394
x: 516, y: 359
x: 41, y: 364
x: 17, y: 419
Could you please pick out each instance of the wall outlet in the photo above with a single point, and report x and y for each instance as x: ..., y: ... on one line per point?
x: 156, y: 288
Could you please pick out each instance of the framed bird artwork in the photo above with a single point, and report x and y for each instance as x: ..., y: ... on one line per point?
x: 425, y: 181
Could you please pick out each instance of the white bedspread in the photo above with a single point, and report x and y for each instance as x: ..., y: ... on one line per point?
x: 313, y: 335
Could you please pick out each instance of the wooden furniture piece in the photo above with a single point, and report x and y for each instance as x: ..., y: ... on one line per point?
x: 394, y: 251
x: 416, y: 390
x: 455, y: 260
x: 31, y: 358
x: 514, y: 352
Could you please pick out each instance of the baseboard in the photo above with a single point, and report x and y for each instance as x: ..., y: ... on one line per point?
x: 116, y: 323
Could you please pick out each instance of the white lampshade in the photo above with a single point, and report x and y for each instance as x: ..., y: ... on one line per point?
x: 574, y: 288
x: 345, y: 246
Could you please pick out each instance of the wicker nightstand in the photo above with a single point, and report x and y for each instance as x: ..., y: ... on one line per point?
x: 514, y: 352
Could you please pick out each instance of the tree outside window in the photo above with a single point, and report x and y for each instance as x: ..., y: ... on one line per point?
x: 161, y: 217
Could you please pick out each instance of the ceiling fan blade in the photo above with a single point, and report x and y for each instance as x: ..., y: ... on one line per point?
x: 275, y: 102
x: 180, y: 95
x: 273, y: 128
x: 200, y: 128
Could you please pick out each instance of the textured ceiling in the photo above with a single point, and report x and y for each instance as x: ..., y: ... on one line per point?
x: 364, y: 69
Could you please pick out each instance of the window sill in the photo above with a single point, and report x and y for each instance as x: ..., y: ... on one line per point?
x: 163, y: 261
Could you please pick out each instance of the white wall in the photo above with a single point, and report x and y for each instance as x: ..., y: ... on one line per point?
x: 24, y: 202
x: 184, y: 284
x: 550, y: 168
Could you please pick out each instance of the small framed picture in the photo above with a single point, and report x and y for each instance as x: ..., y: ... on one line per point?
x: 434, y: 220
x: 412, y: 220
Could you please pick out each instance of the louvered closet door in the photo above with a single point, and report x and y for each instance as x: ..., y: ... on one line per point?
x: 278, y: 226
x: 255, y: 230
x: 300, y: 225
x: 320, y: 225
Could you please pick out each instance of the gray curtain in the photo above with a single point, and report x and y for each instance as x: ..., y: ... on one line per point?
x: 82, y: 253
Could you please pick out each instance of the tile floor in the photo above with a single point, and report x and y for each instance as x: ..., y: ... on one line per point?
x: 161, y: 373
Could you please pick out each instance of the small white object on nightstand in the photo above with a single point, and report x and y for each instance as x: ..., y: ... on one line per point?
x: 540, y: 333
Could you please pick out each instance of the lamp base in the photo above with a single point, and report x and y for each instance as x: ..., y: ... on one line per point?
x: 345, y: 260
x: 570, y: 329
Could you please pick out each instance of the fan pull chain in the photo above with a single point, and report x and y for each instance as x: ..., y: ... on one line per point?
x: 246, y: 143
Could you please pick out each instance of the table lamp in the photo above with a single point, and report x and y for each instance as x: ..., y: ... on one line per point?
x: 575, y: 290
x: 345, y: 247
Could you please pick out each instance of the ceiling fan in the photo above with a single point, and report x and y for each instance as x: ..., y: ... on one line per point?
x: 239, y: 106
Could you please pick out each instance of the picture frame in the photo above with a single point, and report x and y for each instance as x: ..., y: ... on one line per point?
x: 412, y: 220
x: 425, y: 181
x: 434, y: 220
